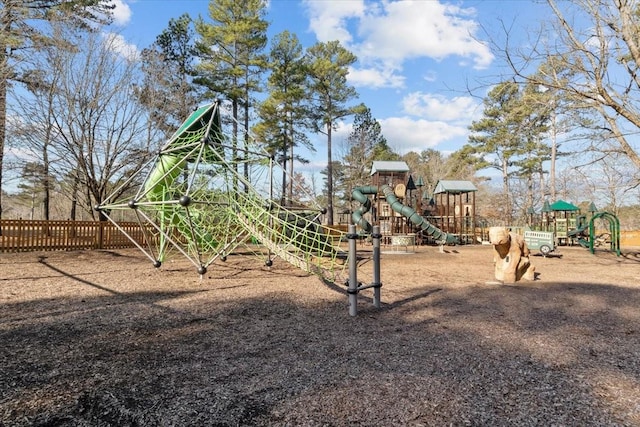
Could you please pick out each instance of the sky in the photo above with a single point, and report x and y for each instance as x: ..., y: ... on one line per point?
x: 423, y: 66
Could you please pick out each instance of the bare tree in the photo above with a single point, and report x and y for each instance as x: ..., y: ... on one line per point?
x: 23, y: 31
x: 33, y: 133
x: 361, y: 146
x: 589, y: 56
x: 33, y: 130
x: 101, y: 134
x: 609, y: 181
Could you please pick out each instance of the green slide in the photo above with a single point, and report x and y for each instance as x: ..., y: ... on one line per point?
x: 581, y: 231
x: 359, y: 195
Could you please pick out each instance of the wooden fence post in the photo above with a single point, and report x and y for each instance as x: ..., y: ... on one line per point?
x: 100, y: 235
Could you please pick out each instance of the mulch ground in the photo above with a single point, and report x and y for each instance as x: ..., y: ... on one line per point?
x: 101, y: 338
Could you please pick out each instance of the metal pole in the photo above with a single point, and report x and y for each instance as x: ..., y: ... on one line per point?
x: 352, y: 289
x: 376, y: 237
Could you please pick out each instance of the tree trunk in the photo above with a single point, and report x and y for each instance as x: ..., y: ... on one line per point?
x: 290, y: 141
x: 554, y: 153
x: 46, y: 180
x: 542, y: 185
x: 283, y: 198
x: 3, y: 110
x: 529, y: 195
x: 74, y: 197
x: 505, y: 190
x: 329, y: 178
x: 234, y: 144
x: 246, y: 143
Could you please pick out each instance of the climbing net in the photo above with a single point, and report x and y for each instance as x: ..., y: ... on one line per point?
x: 206, y: 197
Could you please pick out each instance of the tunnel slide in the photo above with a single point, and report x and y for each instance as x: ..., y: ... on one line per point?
x: 359, y: 194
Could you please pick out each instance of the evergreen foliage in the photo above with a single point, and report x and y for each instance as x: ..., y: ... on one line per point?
x: 328, y: 66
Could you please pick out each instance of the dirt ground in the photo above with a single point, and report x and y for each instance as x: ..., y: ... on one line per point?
x: 101, y: 338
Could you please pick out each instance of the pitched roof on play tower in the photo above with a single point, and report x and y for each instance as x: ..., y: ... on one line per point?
x: 454, y: 187
x: 389, y: 166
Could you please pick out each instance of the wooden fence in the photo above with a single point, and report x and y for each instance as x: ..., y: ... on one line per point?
x: 26, y: 235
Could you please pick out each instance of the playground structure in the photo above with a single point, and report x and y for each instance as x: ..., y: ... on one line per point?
x: 453, y: 209
x: 400, y: 223
x: 585, y: 232
x: 205, y: 197
x: 543, y: 241
x: 567, y: 225
x: 412, y: 218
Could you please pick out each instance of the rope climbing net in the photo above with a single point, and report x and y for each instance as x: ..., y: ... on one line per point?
x: 205, y: 196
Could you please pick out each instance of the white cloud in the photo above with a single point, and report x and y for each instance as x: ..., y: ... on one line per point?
x: 404, y: 134
x: 386, y: 34
x: 437, y: 107
x: 412, y: 29
x: 119, y: 45
x: 121, y: 13
x: 431, y: 120
x: 329, y: 19
x: 375, y: 78
x: 430, y: 76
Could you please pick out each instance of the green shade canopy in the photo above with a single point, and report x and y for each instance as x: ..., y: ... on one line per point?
x: 561, y: 205
x: 546, y: 207
x: 592, y: 207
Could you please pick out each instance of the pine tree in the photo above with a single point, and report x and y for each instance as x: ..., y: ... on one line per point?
x: 232, y: 58
x: 167, y: 91
x: 283, y: 114
x: 365, y: 143
x: 328, y: 65
x: 509, y: 137
x: 498, y: 134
